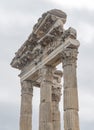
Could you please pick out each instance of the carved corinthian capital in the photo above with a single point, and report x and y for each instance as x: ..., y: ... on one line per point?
x: 69, y: 56
x: 26, y: 87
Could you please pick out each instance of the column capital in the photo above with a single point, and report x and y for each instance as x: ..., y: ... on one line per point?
x: 69, y: 56
x: 27, y: 87
x: 46, y: 73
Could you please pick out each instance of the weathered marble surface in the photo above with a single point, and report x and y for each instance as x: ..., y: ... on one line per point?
x: 48, y: 45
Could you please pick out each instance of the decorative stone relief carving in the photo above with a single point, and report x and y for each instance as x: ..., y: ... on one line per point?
x: 47, y: 46
x: 71, y: 32
x: 49, y: 26
x: 69, y: 56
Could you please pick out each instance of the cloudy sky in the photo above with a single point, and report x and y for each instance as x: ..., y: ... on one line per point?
x: 17, y: 17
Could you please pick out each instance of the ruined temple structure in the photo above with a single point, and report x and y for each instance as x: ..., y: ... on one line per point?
x: 48, y: 45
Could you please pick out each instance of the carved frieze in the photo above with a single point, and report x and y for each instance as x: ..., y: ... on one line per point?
x: 45, y: 27
x: 69, y: 33
x: 57, y: 32
x: 48, y: 28
x: 47, y: 35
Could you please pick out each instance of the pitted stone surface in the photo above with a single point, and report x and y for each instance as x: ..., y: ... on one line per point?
x: 48, y: 45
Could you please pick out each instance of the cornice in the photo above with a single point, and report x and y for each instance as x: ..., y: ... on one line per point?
x: 46, y: 29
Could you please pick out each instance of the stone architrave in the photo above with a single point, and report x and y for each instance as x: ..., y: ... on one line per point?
x: 48, y: 45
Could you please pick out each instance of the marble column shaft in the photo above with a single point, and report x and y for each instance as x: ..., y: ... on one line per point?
x: 45, y: 115
x: 71, y: 118
x: 26, y: 106
x: 56, y: 96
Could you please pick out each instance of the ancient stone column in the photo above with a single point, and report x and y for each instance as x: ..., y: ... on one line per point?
x: 26, y: 106
x: 45, y: 115
x: 71, y: 119
x: 56, y: 96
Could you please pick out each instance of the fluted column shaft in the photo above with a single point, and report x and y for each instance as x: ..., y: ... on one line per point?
x: 71, y: 119
x: 26, y: 106
x: 56, y: 97
x: 45, y: 115
x: 56, y: 114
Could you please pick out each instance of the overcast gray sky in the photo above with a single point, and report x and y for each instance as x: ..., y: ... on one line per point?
x: 17, y: 17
